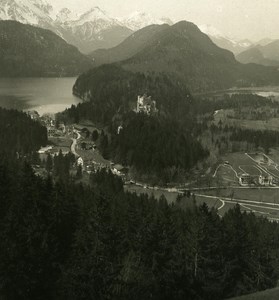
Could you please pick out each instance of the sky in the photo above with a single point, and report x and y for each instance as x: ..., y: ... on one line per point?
x: 252, y: 19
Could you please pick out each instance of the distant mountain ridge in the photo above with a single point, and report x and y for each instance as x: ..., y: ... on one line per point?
x: 128, y: 48
x: 29, y: 51
x: 94, y: 29
x: 139, y: 20
x: 266, y: 54
x: 35, y: 12
x: 185, y: 54
x: 222, y: 41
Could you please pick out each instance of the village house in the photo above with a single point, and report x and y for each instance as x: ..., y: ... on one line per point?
x: 266, y: 180
x: 245, y: 180
x: 80, y: 162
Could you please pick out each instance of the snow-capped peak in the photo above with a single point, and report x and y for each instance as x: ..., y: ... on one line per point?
x: 65, y: 15
x: 138, y: 20
x: 93, y: 15
x: 91, y: 23
x: 26, y: 11
x: 245, y: 43
x: 210, y: 30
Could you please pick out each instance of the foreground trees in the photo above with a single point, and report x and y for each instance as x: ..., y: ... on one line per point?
x: 66, y: 241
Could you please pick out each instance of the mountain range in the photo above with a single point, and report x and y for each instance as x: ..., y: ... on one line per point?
x: 95, y: 29
x: 185, y: 54
x: 91, y: 30
x: 29, y: 51
x: 222, y: 41
x: 266, y: 53
x: 128, y: 48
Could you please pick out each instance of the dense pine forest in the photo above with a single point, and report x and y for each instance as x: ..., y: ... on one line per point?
x: 67, y: 241
x: 29, y: 51
x: 153, y: 145
x: 115, y: 95
x: 19, y: 134
x: 62, y: 240
x: 116, y: 90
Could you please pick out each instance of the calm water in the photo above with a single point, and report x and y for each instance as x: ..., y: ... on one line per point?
x: 45, y: 95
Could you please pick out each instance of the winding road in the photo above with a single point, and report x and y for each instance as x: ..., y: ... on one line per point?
x: 74, y: 144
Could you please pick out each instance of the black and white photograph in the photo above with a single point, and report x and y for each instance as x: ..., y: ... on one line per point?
x: 139, y: 150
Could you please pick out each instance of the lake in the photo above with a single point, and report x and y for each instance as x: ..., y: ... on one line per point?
x: 45, y: 95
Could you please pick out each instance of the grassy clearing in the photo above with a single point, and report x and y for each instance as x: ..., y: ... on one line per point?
x: 211, y: 203
x: 262, y: 211
x: 215, y: 203
x: 237, y: 159
x: 226, y: 208
x: 63, y: 143
x: 226, y: 117
x: 272, y: 294
x: 93, y: 156
x: 227, y: 175
x: 271, y: 124
x: 274, y: 154
x: 89, y: 125
x: 250, y: 169
x: 254, y: 194
x: 170, y: 196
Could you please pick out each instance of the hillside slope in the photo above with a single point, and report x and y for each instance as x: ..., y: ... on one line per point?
x: 187, y: 55
x: 267, y: 55
x: 93, y: 30
x: 30, y: 51
x: 128, y: 48
x: 254, y: 55
x: 272, y: 294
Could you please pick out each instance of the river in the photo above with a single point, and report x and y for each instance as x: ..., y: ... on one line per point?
x: 45, y: 95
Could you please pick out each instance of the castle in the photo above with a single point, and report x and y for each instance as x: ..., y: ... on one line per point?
x: 146, y: 105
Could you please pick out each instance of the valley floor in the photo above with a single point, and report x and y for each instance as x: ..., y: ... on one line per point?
x: 272, y: 294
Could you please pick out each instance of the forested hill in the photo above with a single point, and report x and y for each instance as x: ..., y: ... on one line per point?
x: 185, y: 53
x: 19, y: 134
x: 128, y: 48
x: 110, y: 89
x: 267, y: 55
x: 30, y: 51
x: 157, y: 145
x: 189, y: 55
